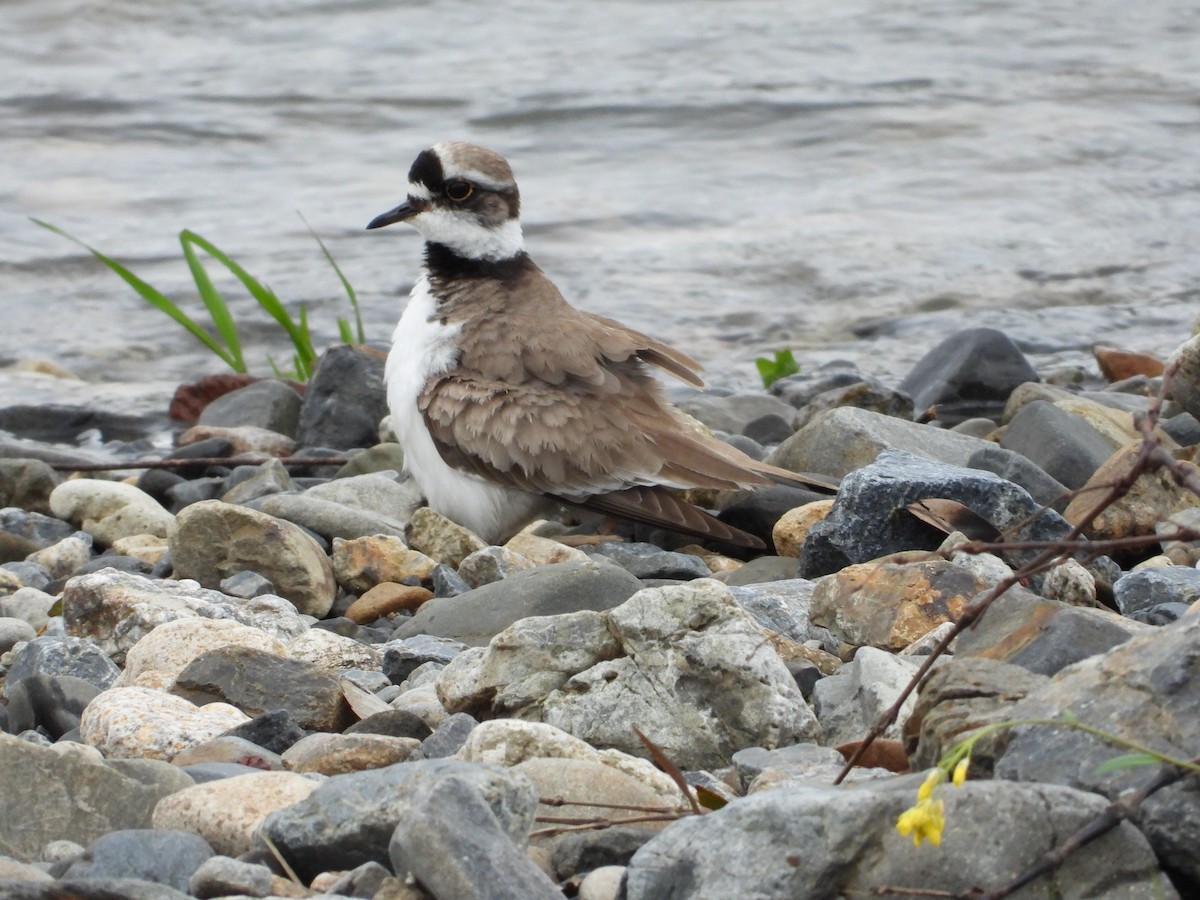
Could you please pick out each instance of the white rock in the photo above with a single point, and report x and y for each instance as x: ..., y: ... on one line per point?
x: 139, y: 722
x: 228, y: 813
x: 109, y: 510
x: 334, y: 651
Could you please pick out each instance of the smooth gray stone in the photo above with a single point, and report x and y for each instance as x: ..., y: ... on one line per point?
x: 476, y: 616
x: 344, y: 402
x: 451, y: 841
x: 649, y: 561
x: 448, y: 738
x: 1144, y: 589
x: 163, y: 857
x: 326, y: 517
x: 1062, y: 444
x: 733, y: 412
x: 1017, y: 468
x: 51, y: 704
x: 268, y: 404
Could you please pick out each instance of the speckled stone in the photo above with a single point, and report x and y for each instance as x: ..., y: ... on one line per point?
x: 169, y: 648
x: 136, y: 722
x: 361, y: 563
x: 436, y: 536
x: 335, y: 754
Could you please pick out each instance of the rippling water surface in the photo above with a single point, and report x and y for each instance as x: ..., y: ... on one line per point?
x: 853, y: 180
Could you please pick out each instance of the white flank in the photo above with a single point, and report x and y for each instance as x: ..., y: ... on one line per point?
x: 421, y: 348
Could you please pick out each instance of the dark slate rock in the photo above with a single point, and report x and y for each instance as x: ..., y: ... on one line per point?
x: 188, y: 492
x: 476, y: 616
x: 758, y: 511
x: 221, y: 876
x: 345, y: 401
x: 394, y: 723
x: 1042, y: 636
x: 452, y: 842
x: 1062, y: 444
x: 31, y: 574
x: 1020, y: 470
x: 448, y: 738
x: 246, y: 483
x: 1184, y: 428
x: 747, y: 445
x: 163, y: 857
x: 1162, y: 614
x: 579, y: 852
x: 868, y: 518
x: 23, y: 532
x: 26, y: 484
x: 246, y: 584
x: 447, y: 582
x: 1144, y: 589
x: 62, y: 424
x: 91, y: 889
x: 208, y: 448
x: 267, y: 404
x: 157, y: 483
x: 349, y: 819
x: 733, y: 412
x: 648, y: 561
x: 769, y: 429
x: 274, y: 731
x: 51, y: 704
x: 362, y: 881
x: 401, y: 657
x: 256, y: 681
x: 60, y: 655
x: 971, y: 373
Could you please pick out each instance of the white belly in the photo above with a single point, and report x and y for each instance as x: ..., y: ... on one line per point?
x: 423, y: 347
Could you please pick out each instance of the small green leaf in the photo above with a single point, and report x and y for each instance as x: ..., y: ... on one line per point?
x: 350, y: 294
x: 771, y: 370
x: 1127, y: 761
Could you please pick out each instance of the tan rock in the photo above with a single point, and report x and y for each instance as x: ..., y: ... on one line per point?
x: 888, y: 604
x: 385, y: 599
x: 171, y: 646
x: 361, y: 563
x: 109, y: 510
x: 1154, y: 496
x: 149, y: 548
x: 332, y: 651
x: 138, y: 722
x: 336, y: 754
x: 793, y: 526
x: 436, y: 536
x: 228, y: 813
x: 716, y: 562
x: 542, y: 551
x: 245, y: 439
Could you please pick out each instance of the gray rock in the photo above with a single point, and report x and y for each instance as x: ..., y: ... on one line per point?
x: 1146, y: 690
x: 26, y: 484
x: 783, y: 606
x: 1140, y: 591
x: 765, y: 569
x: 971, y: 373
x: 213, y: 540
x: 328, y: 518
x: 392, y: 722
x: 274, y: 731
x: 256, y: 682
x: 362, y: 881
x: 345, y: 400
x: 848, y: 703
x: 248, y: 483
x: 51, y: 704
x: 770, y: 428
x: 1062, y: 444
x: 222, y: 876
x: 93, y: 889
x: 117, y: 609
x: 23, y: 533
x: 400, y: 658
x: 349, y: 819
x: 1016, y: 468
x: 801, y: 389
x: 30, y: 604
x: 53, y: 656
x: 109, y: 510
x: 648, y: 561
x: 163, y: 857
x: 448, y: 738
x: 1043, y: 636
x: 268, y: 404
x: 865, y: 522
x: 866, y: 393
x: 476, y: 616
x: 578, y: 852
x: 733, y: 412
x: 759, y: 510
x: 383, y: 493
x: 31, y: 574
x: 810, y: 761
x: 845, y: 439
x: 47, y: 794
x: 491, y: 564
x: 13, y: 631
x: 246, y: 585
x: 450, y: 839
x: 818, y: 842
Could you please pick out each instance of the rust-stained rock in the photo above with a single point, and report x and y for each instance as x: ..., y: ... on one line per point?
x: 1154, y: 496
x: 363, y: 562
x: 243, y: 439
x: 384, y: 599
x: 888, y: 604
x: 792, y: 528
x: 436, y: 536
x: 1117, y: 364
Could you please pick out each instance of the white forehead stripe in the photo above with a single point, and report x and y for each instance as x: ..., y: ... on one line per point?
x: 476, y: 177
x: 418, y: 191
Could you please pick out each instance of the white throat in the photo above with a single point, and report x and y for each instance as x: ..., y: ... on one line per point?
x: 468, y: 238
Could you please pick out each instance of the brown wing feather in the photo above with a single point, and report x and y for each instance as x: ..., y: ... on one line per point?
x: 655, y: 506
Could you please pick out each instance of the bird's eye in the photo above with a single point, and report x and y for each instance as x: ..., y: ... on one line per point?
x: 458, y: 191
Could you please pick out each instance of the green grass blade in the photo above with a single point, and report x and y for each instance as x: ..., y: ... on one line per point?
x: 213, y: 302
x: 155, y: 298
x: 344, y: 331
x: 350, y: 294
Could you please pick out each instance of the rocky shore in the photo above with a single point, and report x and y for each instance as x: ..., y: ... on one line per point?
x: 266, y: 670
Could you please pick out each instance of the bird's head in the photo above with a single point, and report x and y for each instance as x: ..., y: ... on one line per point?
x: 463, y: 197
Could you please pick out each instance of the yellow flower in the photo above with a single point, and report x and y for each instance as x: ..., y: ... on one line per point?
x: 923, y: 821
x: 932, y: 780
x: 960, y: 771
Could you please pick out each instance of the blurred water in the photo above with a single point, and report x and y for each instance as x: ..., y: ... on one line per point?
x: 853, y: 180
